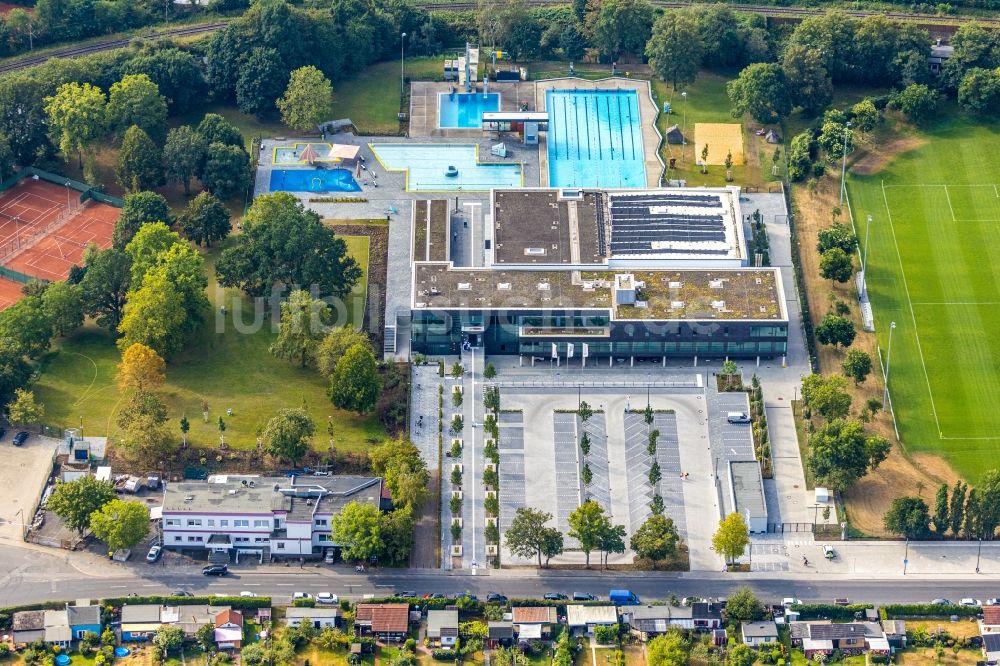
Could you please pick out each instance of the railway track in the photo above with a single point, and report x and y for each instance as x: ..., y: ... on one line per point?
x: 928, y: 20
x: 74, y: 51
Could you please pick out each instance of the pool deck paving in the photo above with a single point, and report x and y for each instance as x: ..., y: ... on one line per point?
x: 424, y: 118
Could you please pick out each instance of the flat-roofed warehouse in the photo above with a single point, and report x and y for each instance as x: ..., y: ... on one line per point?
x: 666, y: 228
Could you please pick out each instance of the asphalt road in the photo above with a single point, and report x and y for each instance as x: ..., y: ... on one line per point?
x: 30, y: 576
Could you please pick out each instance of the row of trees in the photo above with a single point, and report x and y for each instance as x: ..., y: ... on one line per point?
x: 967, y: 513
x: 531, y: 536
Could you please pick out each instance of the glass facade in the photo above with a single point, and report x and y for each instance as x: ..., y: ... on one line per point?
x: 438, y: 333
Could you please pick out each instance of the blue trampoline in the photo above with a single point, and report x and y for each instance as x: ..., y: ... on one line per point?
x: 122, y: 652
x: 63, y: 660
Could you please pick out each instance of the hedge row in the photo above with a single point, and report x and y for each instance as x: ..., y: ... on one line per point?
x: 239, y: 603
x: 929, y: 610
x: 829, y: 611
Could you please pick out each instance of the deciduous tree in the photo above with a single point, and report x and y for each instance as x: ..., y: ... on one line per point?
x: 827, y: 396
x: 840, y: 453
x: 76, y: 117
x: 184, y: 155
x: 155, y: 316
x: 283, y: 242
x: 139, y: 208
x: 262, y: 79
x: 120, y: 524
x: 741, y: 655
x: 399, y: 462
x: 656, y: 539
x: 26, y: 327
x: 74, y: 502
x: 308, y: 100
x: 205, y: 219
x: 743, y: 606
x: 64, y: 306
x: 301, y: 328
x: 917, y: 101
x: 809, y: 84
x: 136, y: 101
x: 622, y: 27
x: 140, y: 162
x: 761, y: 90
x: 528, y: 535
x: 732, y: 537
x: 355, y: 384
x: 105, y: 286
x: 909, y: 517
x: 669, y: 649
x: 835, y: 265
x: 227, y: 170
x: 587, y: 523
x: 168, y: 639
x: 333, y: 346
x: 857, y: 365
x: 941, y: 518
x: 287, y: 434
x: 358, y: 530
x: 675, y: 48
x: 835, y: 330
x: 213, y: 128
x: 839, y: 235
x: 24, y: 409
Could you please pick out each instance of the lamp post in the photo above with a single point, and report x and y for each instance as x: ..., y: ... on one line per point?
x: 843, y: 166
x: 888, y: 358
x: 979, y: 552
x: 402, y: 45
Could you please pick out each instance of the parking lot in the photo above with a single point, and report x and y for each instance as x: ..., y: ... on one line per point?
x: 22, y: 479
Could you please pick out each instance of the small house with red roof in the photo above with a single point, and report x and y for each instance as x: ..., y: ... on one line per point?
x: 229, y: 630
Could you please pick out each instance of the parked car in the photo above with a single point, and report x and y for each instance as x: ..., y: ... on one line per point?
x: 555, y: 596
x: 327, y: 598
x: 328, y: 556
x: 580, y: 596
x: 788, y: 602
x: 301, y: 595
x: 496, y: 598
x: 993, y: 601
x: 738, y: 417
x: 829, y: 553
x: 969, y: 601
x: 181, y: 593
x: 246, y: 593
x: 942, y: 602
x: 410, y: 594
x: 21, y: 437
x: 153, y: 554
x: 215, y: 570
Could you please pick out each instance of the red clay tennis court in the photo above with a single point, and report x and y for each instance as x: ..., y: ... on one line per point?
x: 44, y: 229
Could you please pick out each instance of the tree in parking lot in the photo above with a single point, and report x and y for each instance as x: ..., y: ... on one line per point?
x: 23, y: 409
x: 744, y: 606
x: 287, y: 434
x: 587, y: 524
x: 528, y: 535
x: 656, y: 539
x: 358, y: 529
x: 120, y: 524
x: 732, y: 537
x: 74, y: 502
x: 909, y: 517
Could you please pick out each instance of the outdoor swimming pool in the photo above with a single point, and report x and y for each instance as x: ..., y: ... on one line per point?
x: 465, y: 110
x: 595, y: 139
x: 426, y: 165
x: 313, y: 180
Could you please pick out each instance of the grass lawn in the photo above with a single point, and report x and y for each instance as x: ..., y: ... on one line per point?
x: 249, y: 126
x: 357, y: 246
x: 928, y: 657
x: 226, y: 367
x: 371, y: 99
x: 314, y: 654
x: 934, y: 273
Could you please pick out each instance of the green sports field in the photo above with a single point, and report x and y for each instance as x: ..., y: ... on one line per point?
x: 934, y: 270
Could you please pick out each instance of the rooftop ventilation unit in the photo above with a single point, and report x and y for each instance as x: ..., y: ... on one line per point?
x: 503, y: 286
x: 676, y: 305
x: 674, y: 285
x: 718, y: 305
x: 534, y: 251
x: 717, y: 283
x: 465, y: 286
x: 543, y: 286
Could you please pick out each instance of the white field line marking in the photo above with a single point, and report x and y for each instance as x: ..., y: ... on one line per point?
x: 913, y: 316
x: 948, y: 197
x: 958, y: 303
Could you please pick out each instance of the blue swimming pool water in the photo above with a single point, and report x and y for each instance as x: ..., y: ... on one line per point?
x: 595, y: 139
x: 465, y: 110
x: 426, y: 165
x: 313, y: 180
